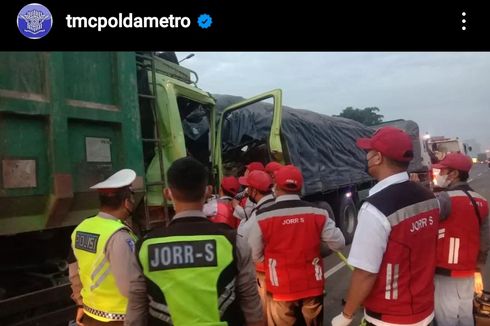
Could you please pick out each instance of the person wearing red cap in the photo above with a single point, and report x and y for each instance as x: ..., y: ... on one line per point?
x: 394, y: 248
x: 242, y: 205
x: 259, y: 191
x: 289, y: 237
x: 462, y: 244
x: 220, y: 210
x: 102, y: 260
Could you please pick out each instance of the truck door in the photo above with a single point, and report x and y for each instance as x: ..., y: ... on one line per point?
x: 272, y: 141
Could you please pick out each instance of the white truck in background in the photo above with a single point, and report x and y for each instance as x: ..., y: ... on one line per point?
x: 439, y: 146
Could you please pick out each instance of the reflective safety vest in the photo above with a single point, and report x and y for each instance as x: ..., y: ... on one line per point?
x: 293, y: 265
x: 102, y: 299
x: 404, y: 289
x: 224, y: 214
x: 458, y: 242
x: 190, y: 270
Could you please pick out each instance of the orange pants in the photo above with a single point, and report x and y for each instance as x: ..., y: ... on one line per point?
x: 283, y: 313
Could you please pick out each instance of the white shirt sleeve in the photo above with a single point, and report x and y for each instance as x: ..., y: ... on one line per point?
x: 255, y: 240
x: 370, y: 239
x: 332, y: 237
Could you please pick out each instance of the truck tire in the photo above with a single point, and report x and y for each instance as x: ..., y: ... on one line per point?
x: 347, y: 218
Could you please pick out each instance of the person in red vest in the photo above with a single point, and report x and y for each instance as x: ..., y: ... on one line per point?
x: 221, y: 208
x: 288, y: 237
x: 259, y: 191
x: 394, y: 247
x: 463, y: 241
x: 242, y: 204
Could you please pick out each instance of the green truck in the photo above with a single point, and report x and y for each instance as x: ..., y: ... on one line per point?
x: 70, y: 119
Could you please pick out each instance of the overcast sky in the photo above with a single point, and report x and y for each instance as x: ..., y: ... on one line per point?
x: 445, y: 93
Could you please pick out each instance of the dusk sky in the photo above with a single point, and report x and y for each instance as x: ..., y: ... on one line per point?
x: 445, y: 93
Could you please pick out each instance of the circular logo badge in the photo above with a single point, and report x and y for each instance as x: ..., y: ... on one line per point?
x: 34, y: 21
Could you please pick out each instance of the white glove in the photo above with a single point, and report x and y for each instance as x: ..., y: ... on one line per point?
x: 341, y: 320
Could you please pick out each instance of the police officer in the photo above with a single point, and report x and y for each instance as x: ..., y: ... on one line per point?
x: 103, y: 247
x: 463, y: 241
x: 394, y: 247
x: 195, y: 272
x: 288, y: 236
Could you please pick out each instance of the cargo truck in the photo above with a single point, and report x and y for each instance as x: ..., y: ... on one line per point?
x: 69, y: 120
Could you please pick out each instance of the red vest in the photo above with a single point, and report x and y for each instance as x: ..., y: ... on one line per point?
x: 458, y: 242
x: 291, y: 232
x: 404, y: 289
x: 224, y: 214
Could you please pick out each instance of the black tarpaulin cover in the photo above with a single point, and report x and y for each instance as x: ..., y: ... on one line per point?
x: 323, y: 147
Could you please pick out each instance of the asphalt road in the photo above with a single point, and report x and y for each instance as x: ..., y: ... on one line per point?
x: 338, y: 274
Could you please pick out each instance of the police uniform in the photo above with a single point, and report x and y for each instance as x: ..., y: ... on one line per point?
x: 195, y: 272
x: 103, y: 248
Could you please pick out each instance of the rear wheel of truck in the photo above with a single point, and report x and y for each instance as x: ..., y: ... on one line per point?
x: 347, y: 217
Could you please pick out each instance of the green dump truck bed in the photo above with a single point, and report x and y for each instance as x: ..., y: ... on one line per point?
x: 67, y: 120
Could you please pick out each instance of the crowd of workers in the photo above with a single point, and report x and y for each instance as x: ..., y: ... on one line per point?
x: 256, y: 257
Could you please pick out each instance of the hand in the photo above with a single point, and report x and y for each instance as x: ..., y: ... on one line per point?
x: 341, y: 320
x: 478, y: 283
x: 79, y: 316
x: 234, y: 202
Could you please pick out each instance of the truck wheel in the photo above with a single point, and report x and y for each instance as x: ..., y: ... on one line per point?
x: 347, y: 218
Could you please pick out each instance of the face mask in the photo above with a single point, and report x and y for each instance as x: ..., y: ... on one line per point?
x: 367, y: 166
x: 442, y: 181
x: 252, y: 198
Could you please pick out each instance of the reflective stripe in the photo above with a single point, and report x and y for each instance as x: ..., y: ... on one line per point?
x: 99, y: 268
x: 453, y: 251
x: 273, y: 272
x: 284, y: 212
x: 412, y: 210
x: 388, y: 282
x: 108, y: 315
x: 159, y: 311
x: 160, y: 315
x: 227, y: 297
x: 101, y: 279
x: 442, y: 233
x: 318, y: 269
x: 395, y: 282
x: 158, y: 306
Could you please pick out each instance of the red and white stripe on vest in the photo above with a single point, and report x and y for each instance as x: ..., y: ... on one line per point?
x: 458, y: 242
x: 224, y: 214
x: 291, y: 231
x: 404, y: 289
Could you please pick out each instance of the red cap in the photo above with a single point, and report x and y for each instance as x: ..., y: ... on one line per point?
x: 289, y: 178
x: 258, y: 180
x: 255, y: 166
x: 391, y: 142
x: 230, y: 184
x: 456, y: 161
x: 272, y: 167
